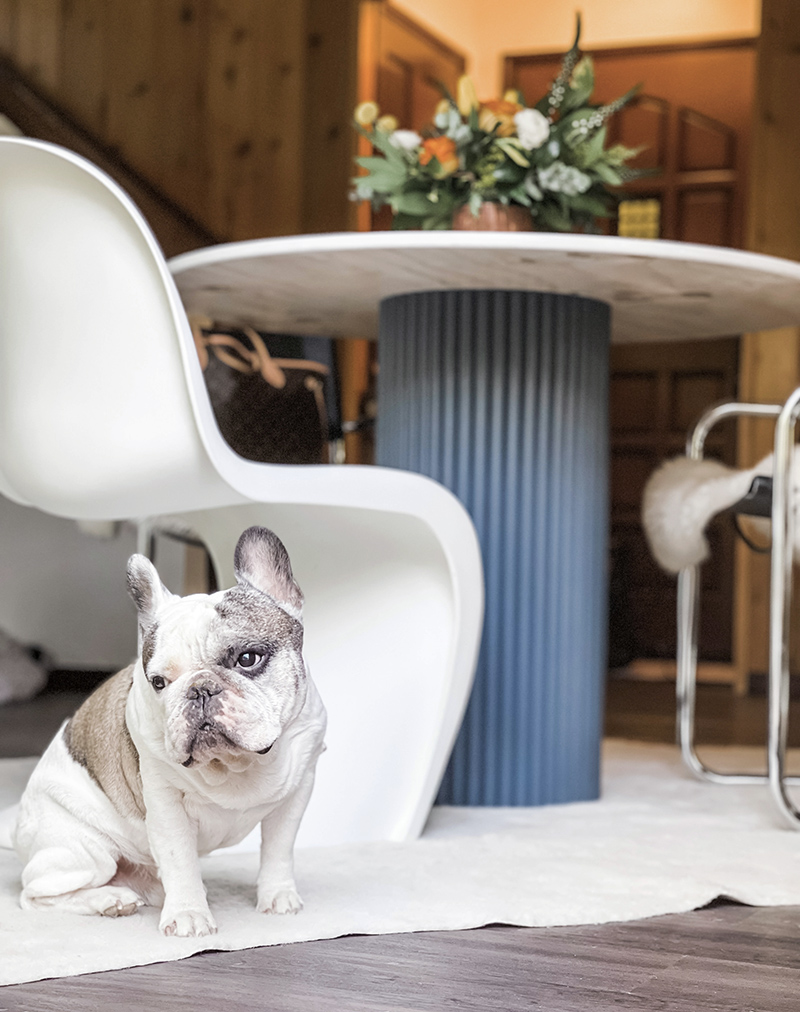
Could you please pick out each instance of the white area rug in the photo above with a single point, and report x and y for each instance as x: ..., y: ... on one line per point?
x: 658, y: 842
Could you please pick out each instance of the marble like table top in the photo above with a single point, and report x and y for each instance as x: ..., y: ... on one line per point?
x: 332, y: 284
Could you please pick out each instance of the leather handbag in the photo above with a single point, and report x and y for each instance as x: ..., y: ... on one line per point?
x: 268, y: 409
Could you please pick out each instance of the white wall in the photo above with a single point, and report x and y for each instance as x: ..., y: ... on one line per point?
x: 486, y: 32
x: 65, y: 592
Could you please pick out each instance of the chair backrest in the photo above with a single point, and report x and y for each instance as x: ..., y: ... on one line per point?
x: 96, y: 419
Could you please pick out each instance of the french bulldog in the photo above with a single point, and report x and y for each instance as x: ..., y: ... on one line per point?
x: 216, y: 727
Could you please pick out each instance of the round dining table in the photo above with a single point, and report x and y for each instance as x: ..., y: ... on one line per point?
x: 493, y: 353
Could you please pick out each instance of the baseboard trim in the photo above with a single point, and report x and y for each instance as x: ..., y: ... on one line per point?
x: 74, y: 680
x: 649, y: 669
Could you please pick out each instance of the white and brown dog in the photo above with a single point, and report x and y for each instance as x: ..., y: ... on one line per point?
x: 215, y: 728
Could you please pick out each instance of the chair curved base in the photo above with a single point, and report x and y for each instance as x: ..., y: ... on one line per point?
x: 387, y: 620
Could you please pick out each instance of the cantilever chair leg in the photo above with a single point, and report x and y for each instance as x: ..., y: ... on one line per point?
x: 783, y: 521
x: 689, y: 610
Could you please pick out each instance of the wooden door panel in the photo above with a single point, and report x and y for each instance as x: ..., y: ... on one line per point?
x: 704, y: 142
x: 706, y: 215
x: 415, y: 61
x: 692, y: 393
x: 645, y: 124
x: 657, y: 393
x: 634, y: 394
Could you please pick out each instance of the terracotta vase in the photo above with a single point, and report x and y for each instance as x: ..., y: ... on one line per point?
x: 494, y: 217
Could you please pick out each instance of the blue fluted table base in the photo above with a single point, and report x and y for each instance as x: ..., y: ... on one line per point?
x: 502, y: 396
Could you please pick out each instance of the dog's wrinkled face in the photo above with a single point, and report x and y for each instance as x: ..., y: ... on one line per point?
x: 223, y: 673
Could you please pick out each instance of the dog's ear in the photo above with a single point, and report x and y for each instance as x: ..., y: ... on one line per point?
x: 261, y: 561
x: 146, y: 589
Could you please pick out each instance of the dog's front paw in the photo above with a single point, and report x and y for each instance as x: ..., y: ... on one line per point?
x: 281, y: 901
x: 187, y: 923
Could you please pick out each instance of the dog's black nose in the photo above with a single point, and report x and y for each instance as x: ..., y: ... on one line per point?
x: 203, y: 689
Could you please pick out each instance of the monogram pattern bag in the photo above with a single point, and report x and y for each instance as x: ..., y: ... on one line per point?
x: 270, y: 410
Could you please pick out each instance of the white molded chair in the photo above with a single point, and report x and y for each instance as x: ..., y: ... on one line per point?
x: 104, y: 415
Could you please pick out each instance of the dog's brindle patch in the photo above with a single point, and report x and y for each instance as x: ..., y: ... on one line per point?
x: 149, y: 645
x: 97, y: 738
x: 244, y: 612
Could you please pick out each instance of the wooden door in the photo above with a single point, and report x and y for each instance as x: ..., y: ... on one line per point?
x: 401, y: 67
x: 693, y: 115
x: 658, y: 391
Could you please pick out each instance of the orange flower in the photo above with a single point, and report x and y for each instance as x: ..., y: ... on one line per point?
x: 443, y: 149
x: 498, y: 113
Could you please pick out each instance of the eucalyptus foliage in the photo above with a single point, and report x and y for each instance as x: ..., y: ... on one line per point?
x: 551, y: 157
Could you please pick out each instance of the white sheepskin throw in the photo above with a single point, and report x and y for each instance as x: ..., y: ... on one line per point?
x: 21, y: 677
x: 682, y: 496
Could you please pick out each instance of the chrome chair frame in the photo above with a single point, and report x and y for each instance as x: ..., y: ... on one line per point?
x: 786, y: 416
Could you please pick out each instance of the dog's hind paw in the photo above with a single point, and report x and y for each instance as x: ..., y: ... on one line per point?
x: 121, y: 909
x: 285, y: 901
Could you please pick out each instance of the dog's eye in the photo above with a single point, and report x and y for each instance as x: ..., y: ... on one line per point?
x: 158, y: 682
x: 248, y: 659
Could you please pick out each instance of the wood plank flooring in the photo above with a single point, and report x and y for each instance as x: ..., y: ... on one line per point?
x: 731, y: 958
x: 725, y: 958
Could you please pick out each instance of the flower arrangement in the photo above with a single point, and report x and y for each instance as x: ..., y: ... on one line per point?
x: 550, y: 158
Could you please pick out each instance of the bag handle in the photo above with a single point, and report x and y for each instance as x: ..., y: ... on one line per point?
x: 237, y: 355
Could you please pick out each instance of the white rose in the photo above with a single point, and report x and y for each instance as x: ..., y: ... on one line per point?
x: 405, y: 139
x: 532, y: 128
x: 561, y: 178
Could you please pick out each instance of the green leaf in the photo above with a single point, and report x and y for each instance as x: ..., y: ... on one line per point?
x: 531, y: 186
x: 508, y: 172
x: 552, y: 101
x: 607, y: 174
x: 552, y: 217
x: 520, y: 195
x: 382, y: 175
x: 617, y: 154
x: 594, y: 205
x: 543, y: 105
x: 438, y: 223
x: 405, y: 221
x: 621, y: 102
x: 375, y: 163
x: 514, y: 150
x: 581, y: 84
x: 381, y: 141
x: 588, y: 153
x: 414, y: 203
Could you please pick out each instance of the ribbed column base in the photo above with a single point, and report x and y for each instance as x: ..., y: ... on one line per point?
x: 502, y: 396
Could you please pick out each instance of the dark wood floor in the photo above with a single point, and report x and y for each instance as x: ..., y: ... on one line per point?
x: 726, y: 957
x: 731, y: 958
x: 645, y: 711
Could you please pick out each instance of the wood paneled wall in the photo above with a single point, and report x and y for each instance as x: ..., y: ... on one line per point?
x: 238, y: 110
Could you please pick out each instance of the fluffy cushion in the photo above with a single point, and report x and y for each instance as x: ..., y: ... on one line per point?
x: 681, y: 497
